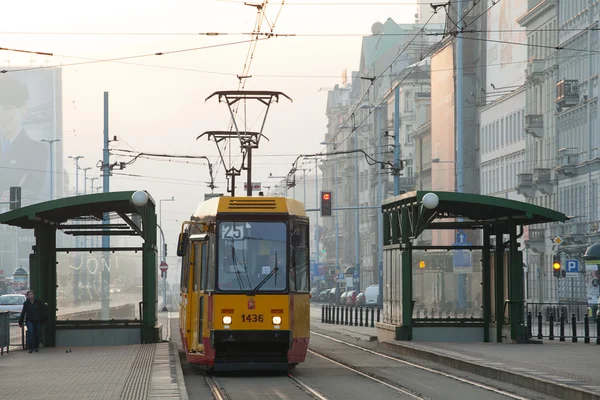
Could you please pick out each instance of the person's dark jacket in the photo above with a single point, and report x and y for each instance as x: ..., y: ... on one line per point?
x: 33, y: 312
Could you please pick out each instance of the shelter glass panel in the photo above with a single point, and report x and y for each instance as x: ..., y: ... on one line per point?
x: 84, y: 277
x: 436, y: 283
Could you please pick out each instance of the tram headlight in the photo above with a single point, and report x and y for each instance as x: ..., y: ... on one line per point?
x: 226, y: 320
x: 276, y: 320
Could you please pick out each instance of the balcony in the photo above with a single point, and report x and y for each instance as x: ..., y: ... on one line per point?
x: 567, y: 93
x: 537, y: 240
x: 541, y: 180
x: 534, y: 125
x: 535, y: 70
x: 567, y: 163
x: 525, y: 185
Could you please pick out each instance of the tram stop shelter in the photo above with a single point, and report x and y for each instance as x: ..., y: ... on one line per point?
x: 407, y: 216
x: 93, y: 215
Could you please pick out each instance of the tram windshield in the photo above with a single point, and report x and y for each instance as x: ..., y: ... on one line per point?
x: 248, y: 253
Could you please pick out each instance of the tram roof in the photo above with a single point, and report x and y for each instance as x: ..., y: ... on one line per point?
x: 252, y: 205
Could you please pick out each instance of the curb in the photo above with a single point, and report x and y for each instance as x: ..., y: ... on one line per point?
x: 527, y: 382
x: 179, y: 373
x: 354, y: 335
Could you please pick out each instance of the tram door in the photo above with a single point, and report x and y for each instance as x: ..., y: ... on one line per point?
x: 198, y: 311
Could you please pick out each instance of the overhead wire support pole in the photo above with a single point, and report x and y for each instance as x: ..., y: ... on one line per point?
x: 248, y: 142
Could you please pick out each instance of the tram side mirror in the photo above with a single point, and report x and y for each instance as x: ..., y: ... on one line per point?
x: 296, y: 239
x: 182, y: 244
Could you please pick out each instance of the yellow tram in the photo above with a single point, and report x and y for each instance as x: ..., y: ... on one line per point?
x: 245, y: 283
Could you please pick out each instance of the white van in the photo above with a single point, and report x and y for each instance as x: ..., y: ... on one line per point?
x: 371, y: 295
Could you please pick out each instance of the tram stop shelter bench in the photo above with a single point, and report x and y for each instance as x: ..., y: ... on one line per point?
x: 76, y: 216
x: 407, y: 216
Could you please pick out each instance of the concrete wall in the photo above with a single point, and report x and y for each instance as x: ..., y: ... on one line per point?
x: 97, y: 337
x: 448, y: 334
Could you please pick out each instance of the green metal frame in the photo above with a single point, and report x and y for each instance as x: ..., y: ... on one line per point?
x: 405, y: 218
x: 45, y: 218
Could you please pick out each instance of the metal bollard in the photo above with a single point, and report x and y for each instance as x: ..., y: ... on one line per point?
x: 574, y: 327
x: 529, y: 327
x: 366, y: 316
x: 350, y: 316
x: 361, y: 316
x: 597, y: 329
x: 323, y: 313
x: 378, y: 314
x: 342, y: 315
x: 539, y: 324
x: 355, y: 316
x: 346, y: 321
x: 586, y: 329
x: 329, y: 314
x: 337, y: 315
x: 373, y: 318
x: 562, y: 327
x: 551, y: 320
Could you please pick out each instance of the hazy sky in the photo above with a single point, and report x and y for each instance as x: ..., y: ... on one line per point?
x: 162, y: 110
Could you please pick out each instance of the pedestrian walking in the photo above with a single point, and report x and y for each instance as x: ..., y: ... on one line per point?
x: 34, y: 315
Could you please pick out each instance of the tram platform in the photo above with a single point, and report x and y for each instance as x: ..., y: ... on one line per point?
x: 104, y: 372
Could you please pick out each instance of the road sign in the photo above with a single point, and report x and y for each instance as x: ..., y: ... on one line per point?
x: 355, y: 276
x: 341, y: 276
x: 461, y: 238
x: 558, y: 240
x: 255, y: 186
x: 572, y: 268
x: 163, y: 266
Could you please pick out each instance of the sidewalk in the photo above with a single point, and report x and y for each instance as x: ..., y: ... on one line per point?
x: 111, y: 372
x: 564, y: 370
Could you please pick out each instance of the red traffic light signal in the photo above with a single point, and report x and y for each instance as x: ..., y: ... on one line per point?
x: 326, y: 203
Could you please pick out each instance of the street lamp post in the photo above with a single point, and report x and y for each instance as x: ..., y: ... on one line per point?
x: 164, y: 252
x: 316, y: 206
x: 85, y: 170
x: 76, y: 159
x: 50, y: 143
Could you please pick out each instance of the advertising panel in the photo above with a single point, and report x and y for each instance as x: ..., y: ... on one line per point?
x: 443, y: 146
x: 30, y: 124
x: 506, y: 61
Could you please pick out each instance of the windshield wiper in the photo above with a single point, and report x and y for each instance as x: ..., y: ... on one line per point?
x: 253, y: 292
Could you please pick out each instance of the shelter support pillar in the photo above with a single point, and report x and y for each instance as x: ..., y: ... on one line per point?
x: 149, y: 275
x: 486, y: 284
x: 405, y: 331
x: 43, y: 276
x: 499, y: 284
x: 516, y: 288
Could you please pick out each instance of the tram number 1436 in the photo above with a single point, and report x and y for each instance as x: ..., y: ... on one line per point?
x: 252, y: 318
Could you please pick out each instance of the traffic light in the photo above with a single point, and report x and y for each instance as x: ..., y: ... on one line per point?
x: 556, y: 265
x: 326, y: 203
x: 15, y: 198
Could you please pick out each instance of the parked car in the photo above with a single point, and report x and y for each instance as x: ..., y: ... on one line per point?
x: 314, y: 294
x: 360, y: 300
x: 343, y: 298
x: 324, y: 295
x: 351, y: 298
x: 12, y: 303
x: 371, y: 296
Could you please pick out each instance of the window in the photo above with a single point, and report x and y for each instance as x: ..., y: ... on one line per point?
x: 197, y: 262
x: 185, y: 271
x: 204, y: 264
x: 249, y: 253
x: 300, y: 268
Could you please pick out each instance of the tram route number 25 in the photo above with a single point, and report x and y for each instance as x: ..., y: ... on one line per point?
x: 232, y: 231
x: 252, y: 318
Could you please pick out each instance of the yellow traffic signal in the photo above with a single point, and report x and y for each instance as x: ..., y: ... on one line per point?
x: 556, y: 265
x: 422, y: 264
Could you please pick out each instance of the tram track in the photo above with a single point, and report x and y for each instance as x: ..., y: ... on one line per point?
x: 219, y: 393
x: 398, y: 387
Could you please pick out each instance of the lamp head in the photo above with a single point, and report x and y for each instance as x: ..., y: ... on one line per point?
x: 139, y: 198
x: 430, y: 201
